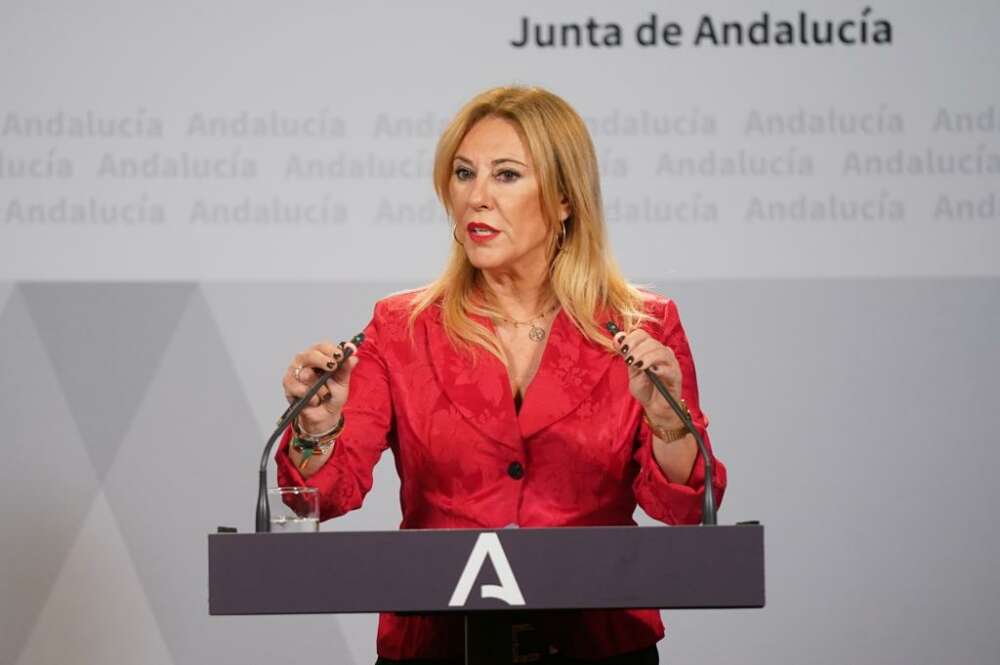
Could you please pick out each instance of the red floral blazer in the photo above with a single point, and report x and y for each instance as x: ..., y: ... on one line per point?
x: 577, y: 453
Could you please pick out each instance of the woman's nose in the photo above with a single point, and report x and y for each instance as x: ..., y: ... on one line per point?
x: 479, y: 196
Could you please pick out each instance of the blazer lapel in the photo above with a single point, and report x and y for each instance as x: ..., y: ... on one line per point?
x: 570, y: 369
x: 479, y: 388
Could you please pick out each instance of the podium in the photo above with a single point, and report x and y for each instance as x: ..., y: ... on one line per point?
x: 485, y: 573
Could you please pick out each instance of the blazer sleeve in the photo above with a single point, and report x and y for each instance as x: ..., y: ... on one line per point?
x: 669, y: 502
x: 346, y: 477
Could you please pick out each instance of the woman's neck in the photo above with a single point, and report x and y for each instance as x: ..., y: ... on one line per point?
x: 520, y: 295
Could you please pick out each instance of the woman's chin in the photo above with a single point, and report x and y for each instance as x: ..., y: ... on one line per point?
x: 485, y: 260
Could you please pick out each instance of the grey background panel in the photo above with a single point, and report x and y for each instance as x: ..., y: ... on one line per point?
x: 128, y: 352
x: 854, y: 416
x: 832, y: 198
x: 171, y: 483
x: 48, y: 481
x: 5, y: 289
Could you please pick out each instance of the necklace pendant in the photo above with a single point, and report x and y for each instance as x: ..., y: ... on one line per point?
x: 536, y: 333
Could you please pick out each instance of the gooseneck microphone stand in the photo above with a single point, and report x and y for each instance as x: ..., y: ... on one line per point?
x: 263, y: 521
x: 708, y: 513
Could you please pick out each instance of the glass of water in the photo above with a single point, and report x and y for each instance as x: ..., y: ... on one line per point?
x: 293, y: 509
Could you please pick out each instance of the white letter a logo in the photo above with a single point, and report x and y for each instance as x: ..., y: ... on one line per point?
x: 487, y: 545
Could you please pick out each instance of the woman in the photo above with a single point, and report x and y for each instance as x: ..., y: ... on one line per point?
x: 503, y: 399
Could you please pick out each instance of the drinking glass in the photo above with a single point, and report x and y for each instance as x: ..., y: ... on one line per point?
x: 293, y: 509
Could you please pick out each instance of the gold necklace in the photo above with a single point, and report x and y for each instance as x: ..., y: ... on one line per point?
x: 535, y: 333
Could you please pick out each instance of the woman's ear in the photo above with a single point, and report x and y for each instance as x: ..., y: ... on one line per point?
x: 565, y: 210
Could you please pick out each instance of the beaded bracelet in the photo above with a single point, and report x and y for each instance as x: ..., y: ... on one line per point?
x: 309, y: 444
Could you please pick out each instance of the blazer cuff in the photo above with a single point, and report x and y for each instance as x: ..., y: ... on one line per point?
x: 668, y: 501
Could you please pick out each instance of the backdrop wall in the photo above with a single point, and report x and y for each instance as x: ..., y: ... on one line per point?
x: 191, y: 194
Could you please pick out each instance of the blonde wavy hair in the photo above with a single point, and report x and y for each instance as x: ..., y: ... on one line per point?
x: 584, y: 276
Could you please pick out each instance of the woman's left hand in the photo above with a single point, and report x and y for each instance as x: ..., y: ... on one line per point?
x: 640, y: 351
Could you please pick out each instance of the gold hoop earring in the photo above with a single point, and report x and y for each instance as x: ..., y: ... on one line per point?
x: 454, y: 230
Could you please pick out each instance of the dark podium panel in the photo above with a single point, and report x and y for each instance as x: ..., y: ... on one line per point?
x: 421, y: 571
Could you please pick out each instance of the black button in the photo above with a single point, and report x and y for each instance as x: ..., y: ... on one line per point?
x: 515, y: 470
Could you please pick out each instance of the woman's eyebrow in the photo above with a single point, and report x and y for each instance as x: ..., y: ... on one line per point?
x: 459, y: 158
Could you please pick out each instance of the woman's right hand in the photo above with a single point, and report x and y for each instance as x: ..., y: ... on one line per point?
x: 323, y: 412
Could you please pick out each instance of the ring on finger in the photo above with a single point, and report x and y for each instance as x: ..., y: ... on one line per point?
x: 297, y: 371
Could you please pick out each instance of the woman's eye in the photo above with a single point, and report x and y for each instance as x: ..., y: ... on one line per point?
x: 508, y: 176
x: 463, y: 173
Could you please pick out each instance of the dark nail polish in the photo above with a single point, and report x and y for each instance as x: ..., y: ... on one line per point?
x: 329, y: 365
x: 625, y: 349
x: 638, y: 365
x: 652, y: 367
x: 629, y: 360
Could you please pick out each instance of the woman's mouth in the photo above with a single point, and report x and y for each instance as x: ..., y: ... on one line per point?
x: 480, y: 232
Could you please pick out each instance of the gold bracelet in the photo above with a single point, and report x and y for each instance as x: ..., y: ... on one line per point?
x: 668, y: 435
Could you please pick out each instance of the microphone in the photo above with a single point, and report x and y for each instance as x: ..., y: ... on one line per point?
x: 263, y: 521
x: 708, y: 513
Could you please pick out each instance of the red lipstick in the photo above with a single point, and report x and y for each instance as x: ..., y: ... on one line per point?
x: 479, y: 232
